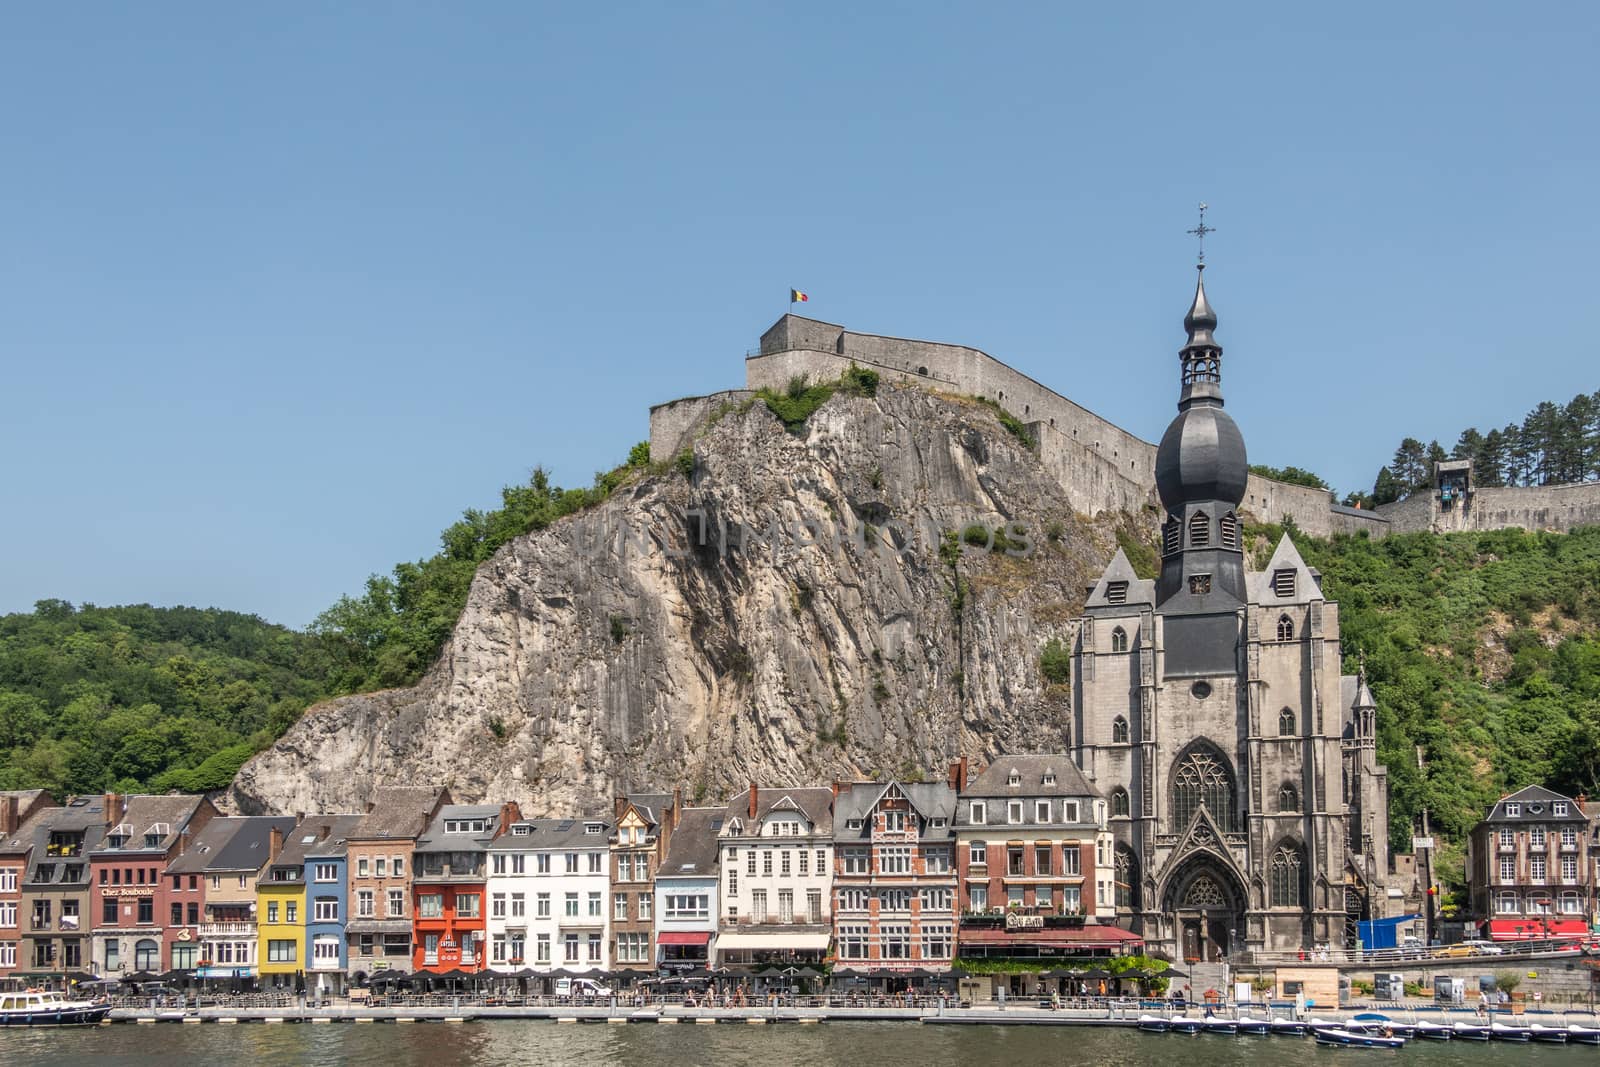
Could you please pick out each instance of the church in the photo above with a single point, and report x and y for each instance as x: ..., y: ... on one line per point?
x: 1209, y: 706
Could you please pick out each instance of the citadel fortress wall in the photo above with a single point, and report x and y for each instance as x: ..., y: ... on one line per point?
x: 1101, y: 466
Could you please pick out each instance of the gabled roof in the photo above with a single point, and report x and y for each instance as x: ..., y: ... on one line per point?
x: 435, y: 839
x: 315, y: 835
x: 930, y: 800
x: 693, y: 850
x: 994, y: 780
x: 80, y: 815
x: 1139, y: 590
x: 813, y: 804
x: 398, y: 811
x: 150, y: 814
x: 1532, y: 797
x: 231, y: 844
x: 1284, y: 558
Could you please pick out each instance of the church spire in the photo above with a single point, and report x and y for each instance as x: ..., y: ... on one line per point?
x: 1201, y: 358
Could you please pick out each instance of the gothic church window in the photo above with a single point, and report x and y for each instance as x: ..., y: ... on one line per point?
x: 1119, y: 731
x: 1202, y: 779
x: 1286, y: 723
x: 1127, y: 878
x: 1203, y: 893
x: 1199, y: 530
x: 1285, y: 628
x: 1119, y: 801
x: 1286, y: 891
x: 1288, y: 798
x: 1230, y: 530
x: 1119, y: 640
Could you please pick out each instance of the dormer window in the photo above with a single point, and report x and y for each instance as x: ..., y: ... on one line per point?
x: 1119, y: 640
x: 1116, y: 592
x: 1559, y: 808
x: 520, y: 830
x: 852, y: 824
x: 152, y: 840
x: 1513, y: 810
x: 594, y: 827
x: 1013, y: 778
x: 1283, y: 584
x: 1199, y: 530
x: 1049, y: 778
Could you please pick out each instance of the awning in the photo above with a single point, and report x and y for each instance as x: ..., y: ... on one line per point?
x: 684, y: 937
x: 800, y: 940
x: 378, y: 926
x: 1076, y: 936
x: 1536, y: 929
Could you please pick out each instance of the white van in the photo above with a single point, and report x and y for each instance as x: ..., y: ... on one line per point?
x: 582, y: 987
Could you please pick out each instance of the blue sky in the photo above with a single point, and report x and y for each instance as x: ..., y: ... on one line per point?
x: 284, y: 289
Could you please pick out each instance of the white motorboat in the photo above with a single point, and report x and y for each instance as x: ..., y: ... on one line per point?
x: 36, y: 1007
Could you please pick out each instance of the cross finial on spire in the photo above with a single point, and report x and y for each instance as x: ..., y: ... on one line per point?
x: 1200, y: 232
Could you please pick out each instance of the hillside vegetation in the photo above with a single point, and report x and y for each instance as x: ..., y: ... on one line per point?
x: 1482, y: 649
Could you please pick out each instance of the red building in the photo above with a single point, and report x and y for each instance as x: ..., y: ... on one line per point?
x: 130, y: 898
x: 16, y: 808
x: 449, y: 870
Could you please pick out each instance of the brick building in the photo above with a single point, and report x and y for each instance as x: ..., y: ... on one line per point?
x: 132, y: 896
x: 638, y: 843
x: 379, y: 861
x: 1529, y: 872
x: 894, y: 880
x: 16, y: 809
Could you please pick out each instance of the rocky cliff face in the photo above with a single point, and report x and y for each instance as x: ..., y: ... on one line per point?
x: 789, y: 613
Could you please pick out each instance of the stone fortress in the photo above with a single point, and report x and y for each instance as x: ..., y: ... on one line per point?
x: 1102, y: 467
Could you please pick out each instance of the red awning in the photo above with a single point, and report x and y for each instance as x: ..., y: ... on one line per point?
x: 684, y: 937
x: 1536, y: 929
x: 1084, y: 936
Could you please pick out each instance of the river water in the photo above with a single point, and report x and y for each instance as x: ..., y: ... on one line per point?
x: 521, y: 1043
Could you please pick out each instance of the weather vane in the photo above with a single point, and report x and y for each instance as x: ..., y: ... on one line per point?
x: 1200, y: 231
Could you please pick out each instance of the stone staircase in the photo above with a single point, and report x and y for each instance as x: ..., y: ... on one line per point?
x: 1204, y: 976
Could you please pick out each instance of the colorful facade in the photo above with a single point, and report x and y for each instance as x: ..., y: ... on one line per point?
x: 449, y: 878
x: 776, y: 870
x: 637, y: 844
x: 17, y: 808
x: 379, y: 865
x: 132, y: 898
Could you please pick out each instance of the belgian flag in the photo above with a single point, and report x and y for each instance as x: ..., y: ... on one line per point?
x: 797, y: 297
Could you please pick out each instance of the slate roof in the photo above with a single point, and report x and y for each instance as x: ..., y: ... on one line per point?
x: 231, y: 843
x: 398, y: 811
x: 79, y: 814
x: 1284, y: 557
x: 813, y: 803
x: 1069, y: 781
x: 146, y: 814
x: 931, y: 800
x: 652, y: 806
x: 552, y: 833
x: 314, y: 835
x: 1140, y: 590
x: 1536, y: 796
x: 693, y: 850
x: 436, y: 840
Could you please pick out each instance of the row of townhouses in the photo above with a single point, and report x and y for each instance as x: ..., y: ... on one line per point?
x: 1015, y: 860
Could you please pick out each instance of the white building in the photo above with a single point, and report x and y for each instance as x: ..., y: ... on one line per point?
x: 548, y: 894
x: 776, y: 878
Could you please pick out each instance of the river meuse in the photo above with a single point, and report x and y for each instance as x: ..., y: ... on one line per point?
x: 643, y: 1045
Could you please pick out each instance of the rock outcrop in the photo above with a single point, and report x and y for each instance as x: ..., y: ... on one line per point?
x: 793, y: 611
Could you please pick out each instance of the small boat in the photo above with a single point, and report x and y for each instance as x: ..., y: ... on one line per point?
x: 1431, y: 1031
x: 1553, y: 1035
x: 1182, y: 1024
x: 1154, y: 1024
x: 1355, y: 1039
x: 1470, y: 1031
x: 1375, y: 1022
x: 36, y: 1007
x: 1583, y: 1035
x: 1508, y: 1032
x: 1215, y: 1024
x: 1288, y: 1027
x: 1254, y: 1027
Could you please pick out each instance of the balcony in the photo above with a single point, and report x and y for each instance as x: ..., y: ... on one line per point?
x: 226, y: 929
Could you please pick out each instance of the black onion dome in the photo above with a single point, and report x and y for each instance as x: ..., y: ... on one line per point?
x: 1201, y: 457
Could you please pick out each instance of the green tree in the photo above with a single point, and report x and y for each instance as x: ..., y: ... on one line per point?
x: 1409, y: 466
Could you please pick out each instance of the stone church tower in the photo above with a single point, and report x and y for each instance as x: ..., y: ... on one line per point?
x: 1249, y: 809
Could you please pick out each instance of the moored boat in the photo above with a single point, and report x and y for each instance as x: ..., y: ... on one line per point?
x: 1471, y: 1031
x: 1182, y: 1024
x: 1553, y: 1035
x: 1431, y: 1031
x: 1255, y: 1027
x: 1217, y: 1025
x: 1288, y: 1027
x: 1333, y: 1035
x: 1155, y: 1024
x: 34, y: 1007
x: 1509, y: 1032
x: 1583, y: 1035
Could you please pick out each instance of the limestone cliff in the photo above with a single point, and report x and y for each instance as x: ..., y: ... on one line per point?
x: 785, y: 614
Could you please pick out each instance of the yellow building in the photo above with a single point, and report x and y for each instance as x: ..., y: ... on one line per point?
x: 281, y: 913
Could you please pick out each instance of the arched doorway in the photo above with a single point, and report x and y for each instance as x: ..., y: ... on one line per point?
x: 1207, y: 909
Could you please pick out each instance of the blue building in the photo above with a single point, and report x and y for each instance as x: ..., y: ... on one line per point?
x: 327, y: 909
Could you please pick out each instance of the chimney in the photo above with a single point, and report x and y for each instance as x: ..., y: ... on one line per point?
x: 116, y: 807
x: 677, y: 805
x: 754, y: 796
x: 958, y: 774
x: 1583, y: 804
x: 509, y: 813
x: 837, y: 785
x: 618, y: 806
x: 274, y: 843
x: 8, y: 815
